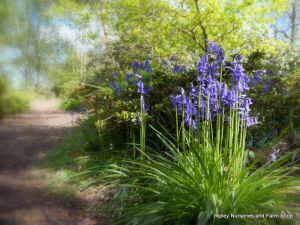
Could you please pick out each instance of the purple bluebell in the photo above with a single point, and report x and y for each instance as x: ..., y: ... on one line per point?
x: 258, y: 75
x: 172, y: 58
x: 134, y: 65
x: 190, y: 110
x: 238, y: 58
x: 217, y: 50
x: 164, y: 62
x: 179, y: 101
x: 128, y: 78
x: 183, y: 69
x: 147, y: 62
x: 213, y: 68
x: 145, y: 66
x: 176, y: 68
x: 138, y: 76
x: 202, y: 64
x: 273, y: 156
x: 244, y: 108
x: 148, y: 69
x: 114, y: 86
x: 251, y: 121
x: 239, y: 78
x: 194, y: 92
x: 267, y: 88
x: 231, y: 99
x: 269, y: 73
x: 224, y: 93
x: 140, y: 87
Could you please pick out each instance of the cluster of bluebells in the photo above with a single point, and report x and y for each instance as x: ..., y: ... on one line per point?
x: 135, y: 78
x: 145, y: 66
x: 211, y: 97
x: 176, y: 68
x: 264, y: 79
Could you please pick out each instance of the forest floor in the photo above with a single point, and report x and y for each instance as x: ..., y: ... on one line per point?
x: 25, y: 140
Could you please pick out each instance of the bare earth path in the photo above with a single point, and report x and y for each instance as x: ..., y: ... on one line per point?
x: 24, y: 140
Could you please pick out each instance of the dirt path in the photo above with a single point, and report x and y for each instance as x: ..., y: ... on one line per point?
x: 24, y: 140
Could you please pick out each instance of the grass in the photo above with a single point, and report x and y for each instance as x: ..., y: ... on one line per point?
x: 185, y: 188
x: 13, y: 102
x: 78, y: 162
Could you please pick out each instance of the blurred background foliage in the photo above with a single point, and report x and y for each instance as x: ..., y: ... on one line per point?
x: 82, y: 50
x: 76, y: 50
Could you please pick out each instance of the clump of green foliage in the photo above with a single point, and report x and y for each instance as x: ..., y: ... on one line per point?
x: 11, y: 101
x: 73, y: 104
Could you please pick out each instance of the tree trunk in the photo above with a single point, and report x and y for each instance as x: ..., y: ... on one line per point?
x: 102, y: 18
x: 293, y: 21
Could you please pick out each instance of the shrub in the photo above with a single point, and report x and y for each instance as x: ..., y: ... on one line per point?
x: 73, y: 104
x: 11, y: 101
x: 206, y: 170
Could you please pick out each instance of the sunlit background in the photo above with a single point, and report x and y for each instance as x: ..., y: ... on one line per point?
x: 99, y: 75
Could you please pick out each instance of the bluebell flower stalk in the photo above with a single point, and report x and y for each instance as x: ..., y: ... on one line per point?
x: 142, y: 90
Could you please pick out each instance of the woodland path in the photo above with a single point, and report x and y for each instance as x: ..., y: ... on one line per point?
x: 24, y: 140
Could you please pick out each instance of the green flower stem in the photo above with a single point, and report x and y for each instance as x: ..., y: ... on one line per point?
x: 177, y: 130
x: 142, y: 131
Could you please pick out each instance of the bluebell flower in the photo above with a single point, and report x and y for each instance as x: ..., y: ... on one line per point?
x: 202, y: 64
x: 172, y: 58
x: 251, y: 121
x: 179, y: 101
x: 134, y: 65
x: 148, y: 69
x: 147, y: 62
x: 191, y: 110
x: 145, y: 66
x: 269, y: 73
x: 114, y: 86
x: 224, y: 93
x: 138, y: 76
x: 238, y: 58
x: 258, y: 75
x: 213, y: 69
x: 128, y: 78
x: 194, y: 92
x: 176, y: 68
x: 245, y: 106
x: 239, y: 78
x: 164, y: 62
x: 231, y: 99
x: 183, y: 69
x: 140, y: 86
x: 217, y: 50
x: 267, y: 88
